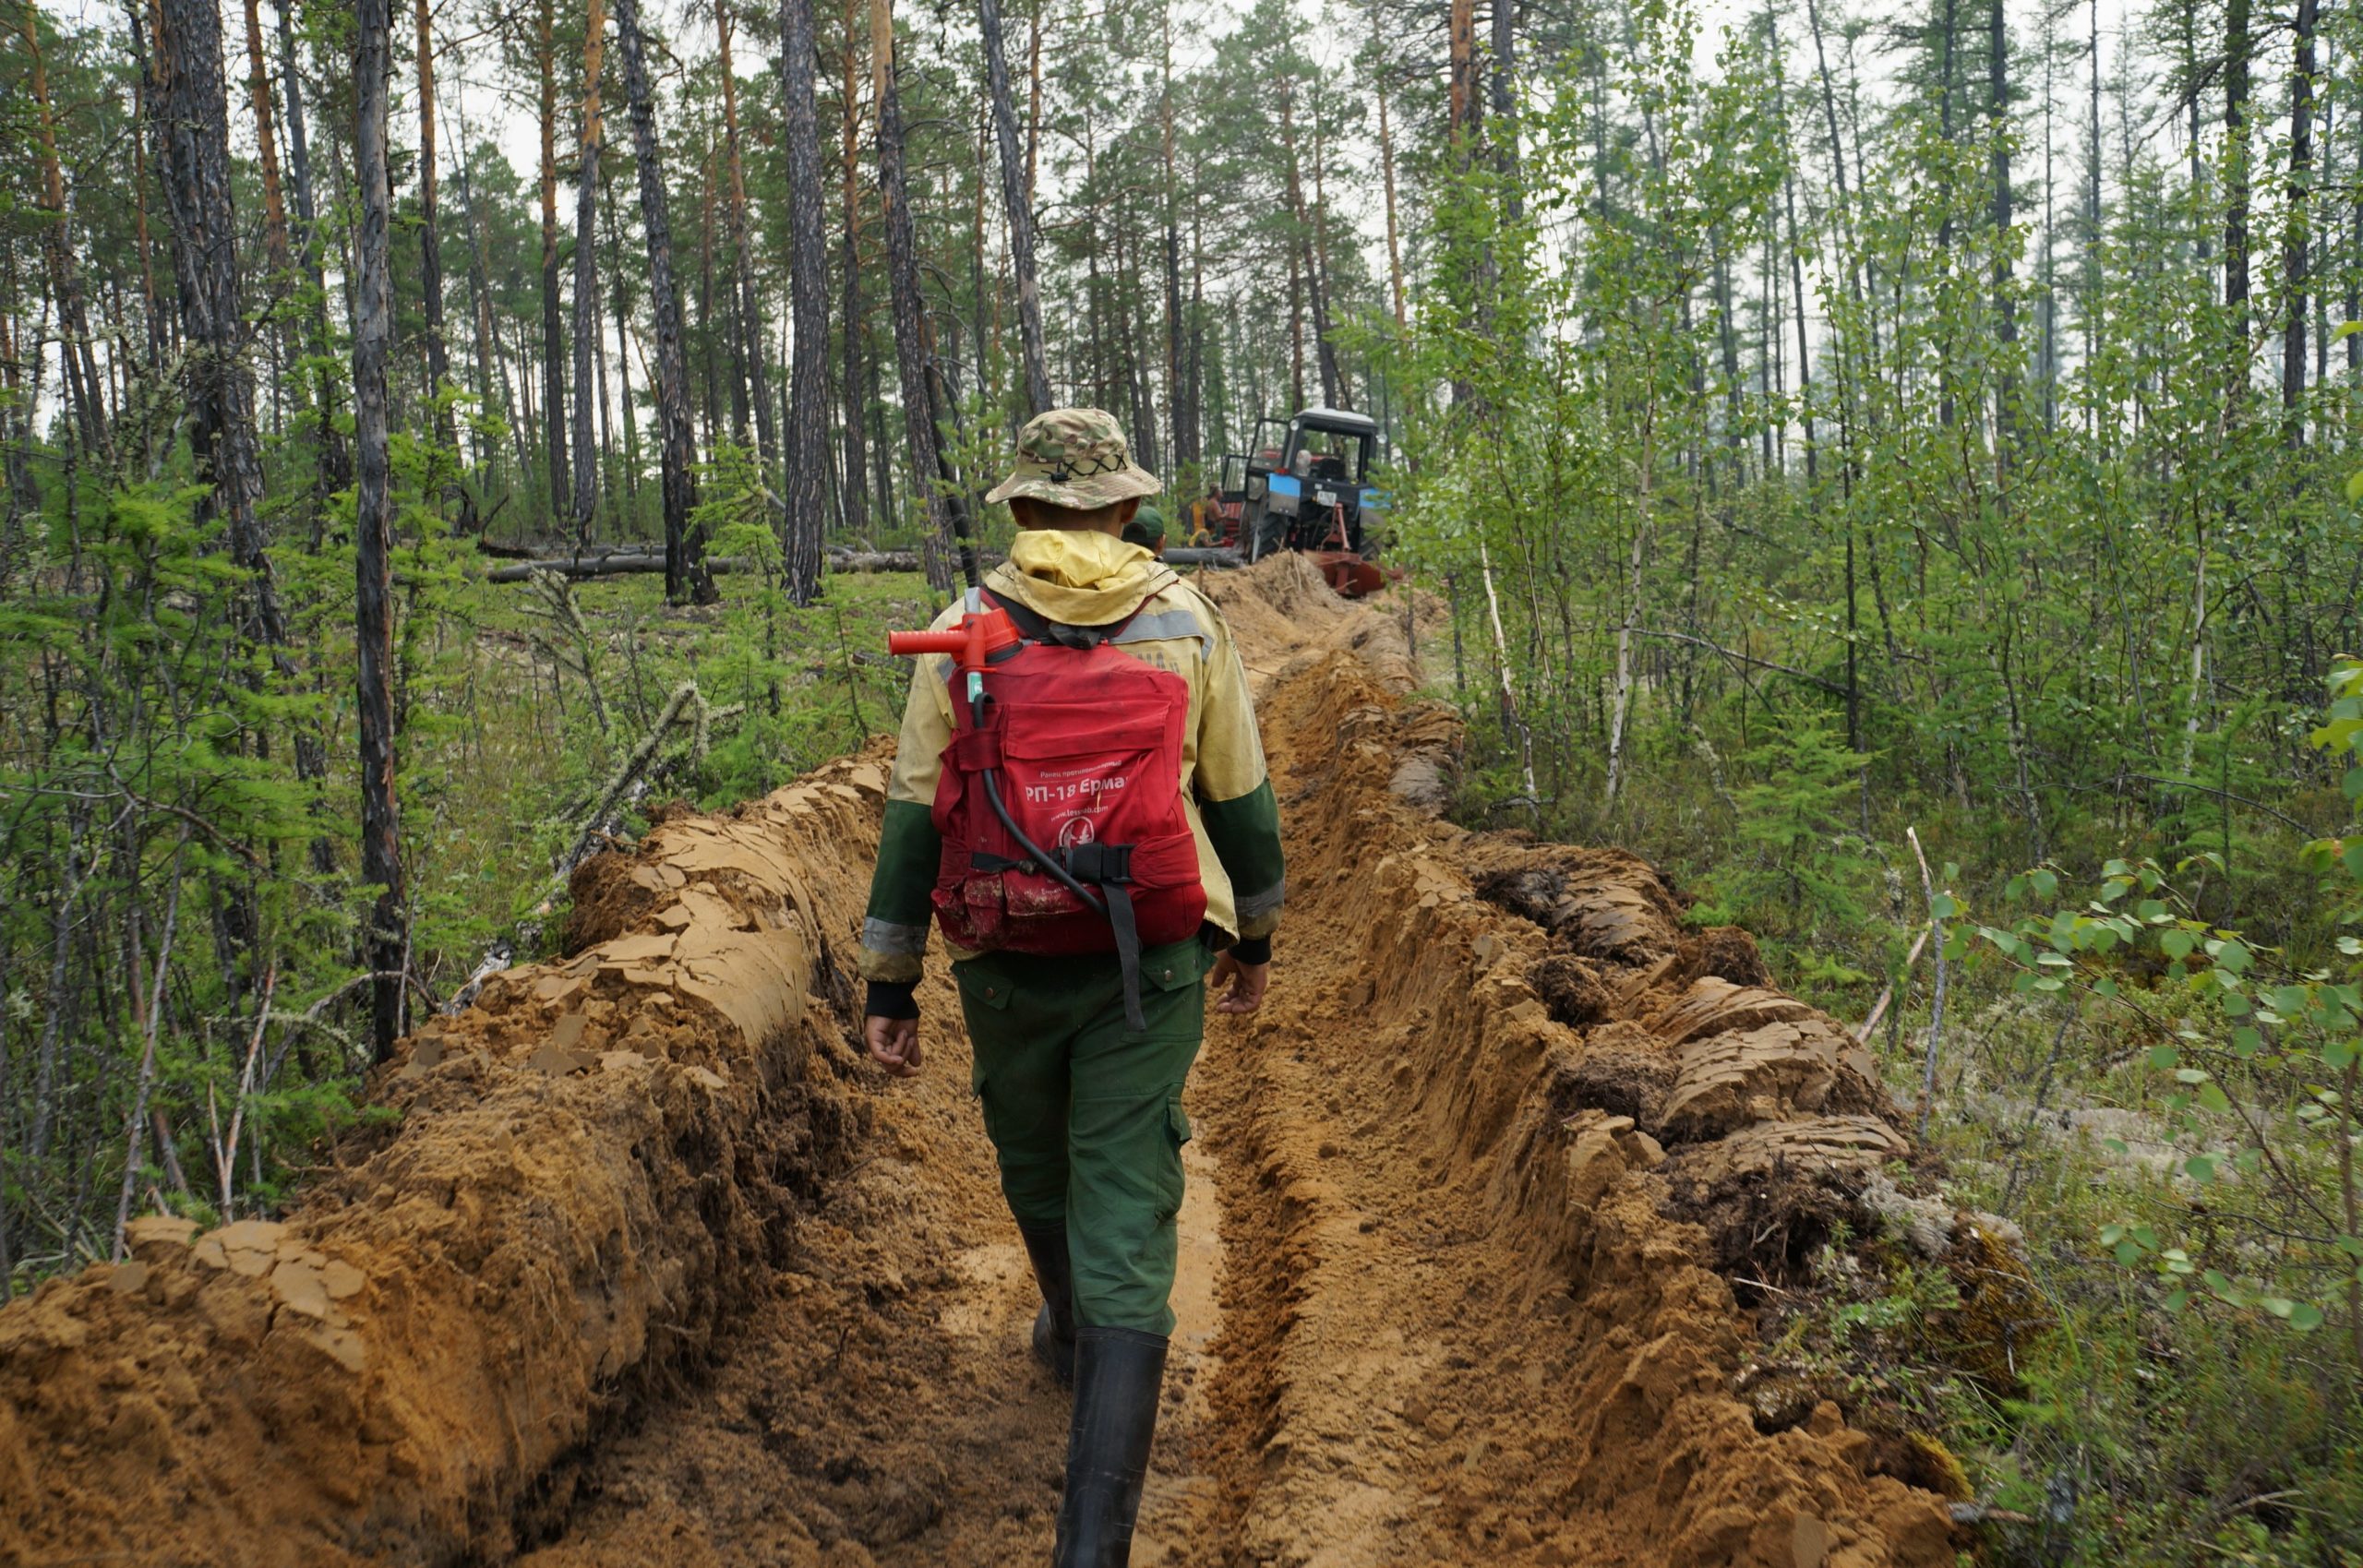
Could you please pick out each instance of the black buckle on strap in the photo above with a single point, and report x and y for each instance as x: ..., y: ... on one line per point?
x: 1102, y: 863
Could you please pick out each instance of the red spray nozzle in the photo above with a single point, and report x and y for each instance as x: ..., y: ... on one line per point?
x: 978, y: 636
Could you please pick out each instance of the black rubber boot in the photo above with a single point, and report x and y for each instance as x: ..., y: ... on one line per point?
x: 1055, y: 1324
x: 1119, y: 1374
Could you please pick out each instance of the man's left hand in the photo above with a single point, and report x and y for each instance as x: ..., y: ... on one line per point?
x: 1246, y: 983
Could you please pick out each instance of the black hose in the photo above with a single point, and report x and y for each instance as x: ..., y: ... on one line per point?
x: 1047, y: 862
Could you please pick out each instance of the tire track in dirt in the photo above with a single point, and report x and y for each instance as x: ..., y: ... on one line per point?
x: 1434, y: 1309
x: 1459, y: 1328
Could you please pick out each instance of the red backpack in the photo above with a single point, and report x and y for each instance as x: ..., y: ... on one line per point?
x: 1061, y: 801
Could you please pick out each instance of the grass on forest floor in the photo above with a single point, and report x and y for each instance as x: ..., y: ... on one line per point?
x: 530, y: 718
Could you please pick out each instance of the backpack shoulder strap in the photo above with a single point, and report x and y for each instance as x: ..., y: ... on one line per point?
x: 1037, y: 627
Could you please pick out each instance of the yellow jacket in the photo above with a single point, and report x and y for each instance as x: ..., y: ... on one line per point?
x: 1083, y: 577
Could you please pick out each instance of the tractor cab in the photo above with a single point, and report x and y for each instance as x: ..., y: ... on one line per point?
x: 1305, y: 487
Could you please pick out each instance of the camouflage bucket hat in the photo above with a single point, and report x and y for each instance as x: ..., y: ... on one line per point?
x: 1076, y: 457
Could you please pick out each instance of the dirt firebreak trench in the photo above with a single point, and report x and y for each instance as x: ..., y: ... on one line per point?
x: 654, y: 1269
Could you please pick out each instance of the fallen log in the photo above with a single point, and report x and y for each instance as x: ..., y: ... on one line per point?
x: 626, y: 560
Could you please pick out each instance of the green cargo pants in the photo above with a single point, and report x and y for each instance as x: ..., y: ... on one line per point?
x: 1085, y: 1115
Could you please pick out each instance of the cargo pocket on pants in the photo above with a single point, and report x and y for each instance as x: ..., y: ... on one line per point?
x: 1169, y: 1177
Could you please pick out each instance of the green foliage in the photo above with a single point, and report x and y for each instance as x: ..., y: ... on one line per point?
x: 1800, y: 872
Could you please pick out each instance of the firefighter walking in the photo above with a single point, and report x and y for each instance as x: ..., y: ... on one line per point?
x: 1080, y: 802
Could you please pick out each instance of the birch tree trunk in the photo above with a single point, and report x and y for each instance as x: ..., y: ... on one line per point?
x: 1621, y: 703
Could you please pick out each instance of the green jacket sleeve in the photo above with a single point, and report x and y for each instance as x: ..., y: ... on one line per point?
x: 894, y: 933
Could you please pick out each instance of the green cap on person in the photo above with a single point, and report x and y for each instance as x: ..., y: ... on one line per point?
x: 1076, y: 457
x: 1147, y: 529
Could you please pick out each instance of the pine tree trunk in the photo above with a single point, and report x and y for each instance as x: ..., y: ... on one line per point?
x: 807, y: 454
x: 855, y: 487
x: 1017, y: 197
x: 1334, y: 389
x: 333, y: 469
x: 585, y: 498
x: 1461, y: 36
x: 2005, y: 305
x: 373, y: 531
x: 1386, y: 169
x: 553, y: 343
x: 492, y: 365
x: 919, y: 427
x: 2293, y: 278
x: 687, y: 577
x: 194, y: 107
x: 1505, y: 97
x: 274, y: 207
x: 430, y: 249
x: 64, y: 278
x: 1176, y: 411
x: 2236, y: 85
x: 742, y: 250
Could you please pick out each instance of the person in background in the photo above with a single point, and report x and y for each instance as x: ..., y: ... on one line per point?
x: 1146, y: 530
x: 1205, y: 517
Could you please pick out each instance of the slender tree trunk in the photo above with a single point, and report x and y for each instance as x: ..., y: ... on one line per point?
x: 1016, y: 190
x: 66, y: 281
x: 333, y: 467
x: 1177, y: 411
x: 2293, y: 249
x: 552, y: 341
x: 430, y: 238
x: 192, y: 99
x: 807, y: 297
x: 492, y: 365
x: 709, y: 406
x: 586, y: 271
x: 2236, y: 81
x: 2005, y: 304
x: 687, y: 576
x: 274, y: 207
x: 911, y: 350
x: 620, y: 300
x: 1797, y: 268
x: 1334, y: 388
x: 855, y: 488
x: 1504, y: 96
x: 385, y: 944
x: 1386, y: 171
x: 1622, y: 695
x: 742, y: 249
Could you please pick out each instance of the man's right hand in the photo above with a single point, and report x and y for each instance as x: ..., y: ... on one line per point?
x: 893, y: 1045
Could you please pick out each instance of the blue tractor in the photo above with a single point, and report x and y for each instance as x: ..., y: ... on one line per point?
x: 1306, y: 488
